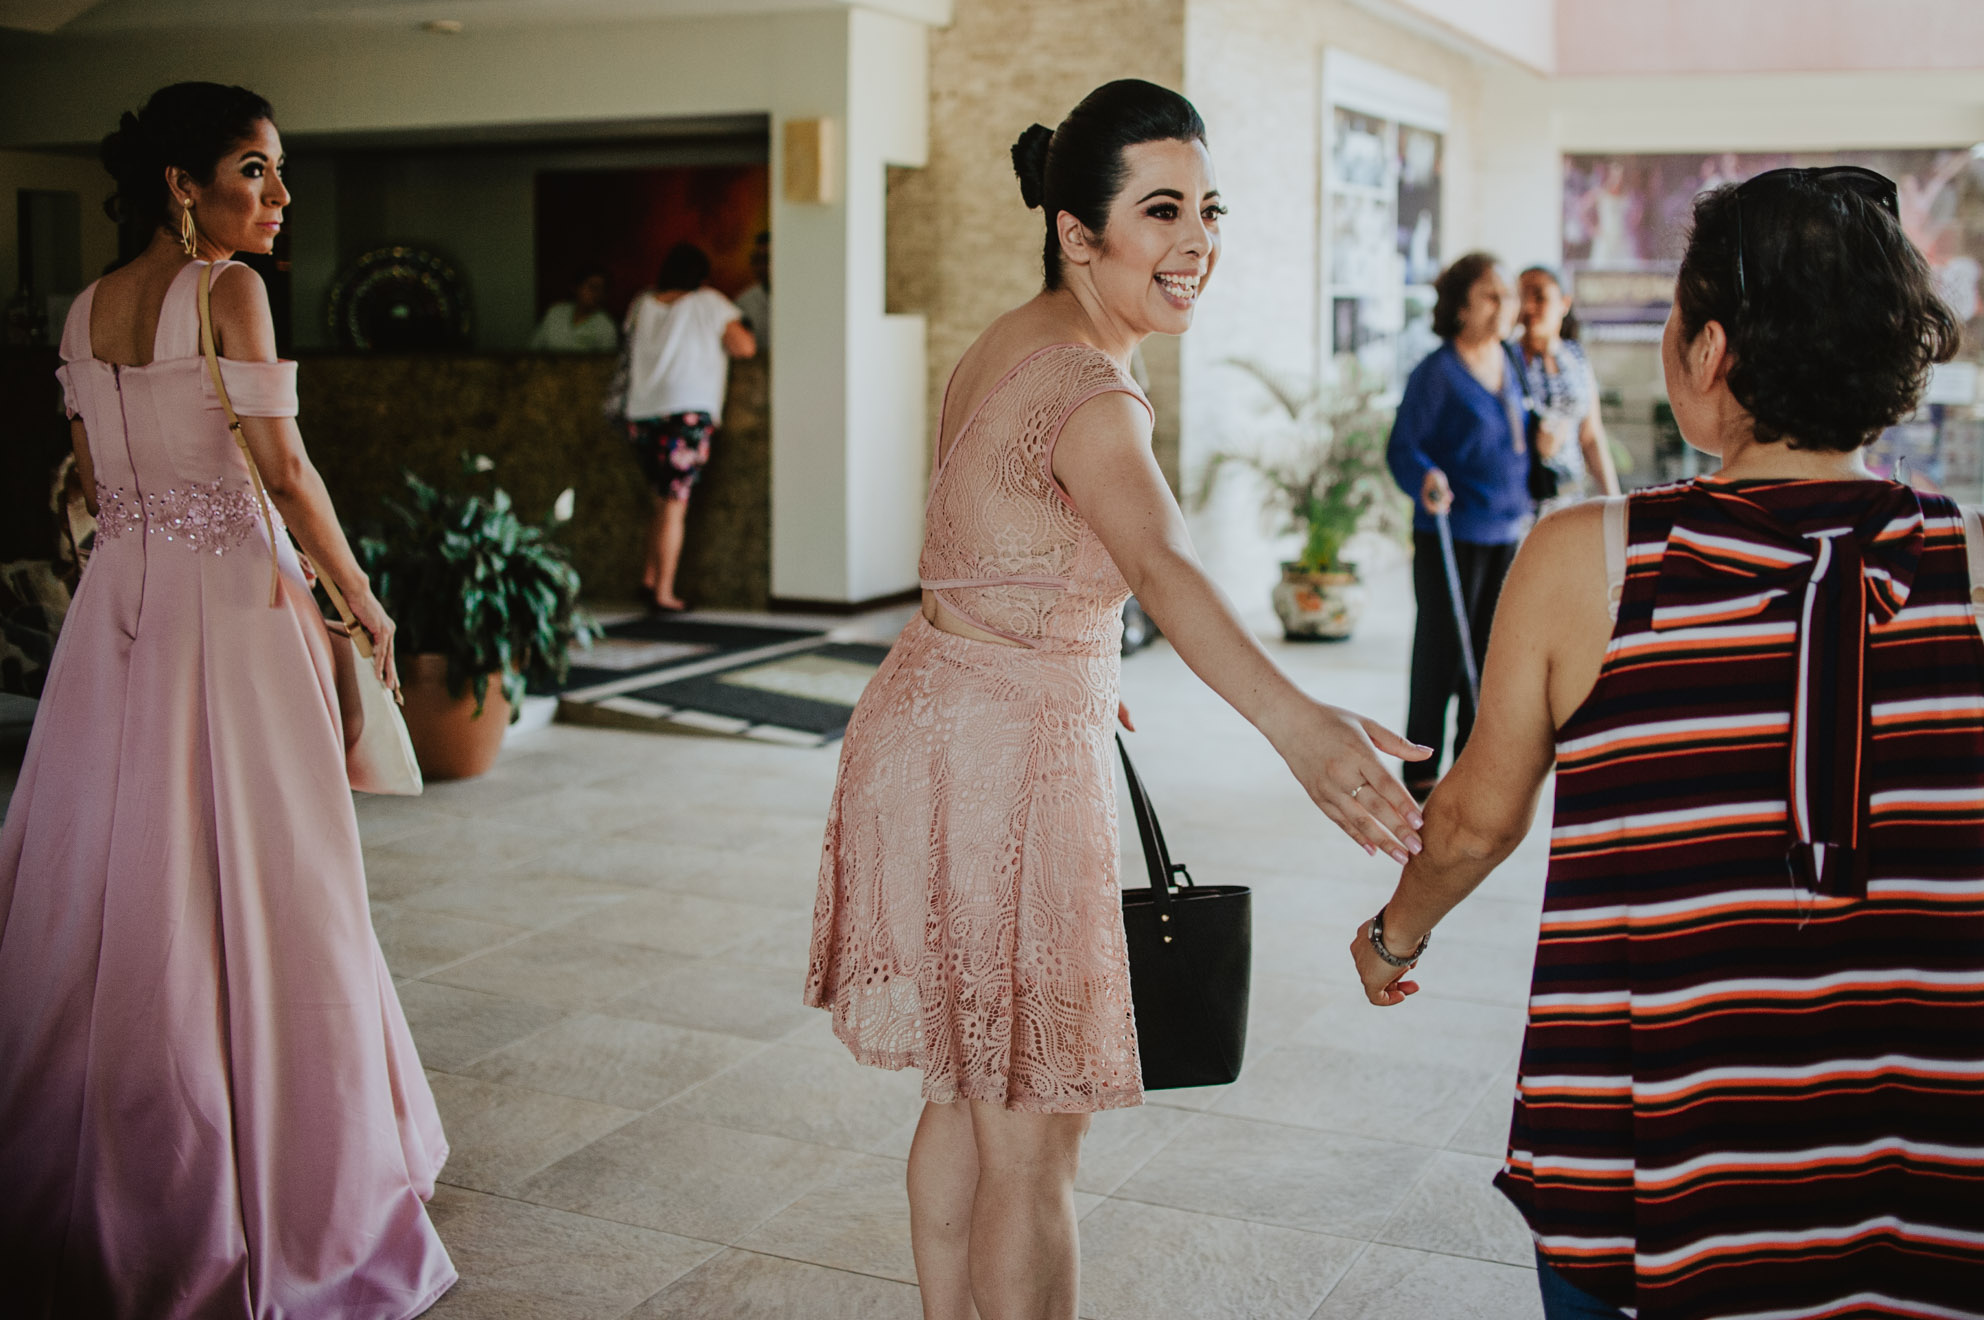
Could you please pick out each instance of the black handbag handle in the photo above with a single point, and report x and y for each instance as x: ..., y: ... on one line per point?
x: 1157, y: 858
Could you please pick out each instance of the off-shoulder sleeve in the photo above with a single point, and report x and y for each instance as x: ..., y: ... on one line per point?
x: 258, y: 389
x: 75, y: 348
x: 69, y: 404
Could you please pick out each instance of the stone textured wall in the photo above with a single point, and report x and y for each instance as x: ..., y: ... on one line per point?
x: 963, y: 248
x: 366, y: 418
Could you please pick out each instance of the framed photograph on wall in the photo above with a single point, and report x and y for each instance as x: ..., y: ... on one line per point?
x: 1383, y: 175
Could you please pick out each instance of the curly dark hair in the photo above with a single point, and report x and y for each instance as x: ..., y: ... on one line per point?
x: 1842, y: 322
x: 1451, y: 287
x: 1078, y: 167
x: 187, y: 126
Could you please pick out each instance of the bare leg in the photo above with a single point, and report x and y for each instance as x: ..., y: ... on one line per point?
x: 669, y: 516
x: 1025, y: 1256
x: 651, y: 570
x: 943, y: 1177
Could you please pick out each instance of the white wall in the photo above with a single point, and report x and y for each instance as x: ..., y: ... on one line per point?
x: 1770, y: 111
x: 1523, y: 30
x: 1254, y: 68
x: 887, y: 457
x: 344, y: 79
x: 1519, y: 178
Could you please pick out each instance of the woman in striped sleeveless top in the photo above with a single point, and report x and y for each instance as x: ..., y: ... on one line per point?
x: 1752, y: 1083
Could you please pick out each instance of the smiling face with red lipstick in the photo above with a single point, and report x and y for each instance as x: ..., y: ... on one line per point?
x: 1150, y: 264
x: 240, y: 208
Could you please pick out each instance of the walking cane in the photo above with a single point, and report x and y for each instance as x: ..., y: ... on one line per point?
x: 1459, y: 601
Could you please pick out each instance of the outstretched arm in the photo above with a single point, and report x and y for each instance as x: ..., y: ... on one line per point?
x: 1104, y: 461
x: 1543, y: 656
x: 245, y: 332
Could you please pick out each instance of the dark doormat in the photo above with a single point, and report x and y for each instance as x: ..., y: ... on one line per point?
x: 802, y: 696
x: 641, y: 652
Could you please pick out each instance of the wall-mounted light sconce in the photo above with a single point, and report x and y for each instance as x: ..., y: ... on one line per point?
x: 809, y: 160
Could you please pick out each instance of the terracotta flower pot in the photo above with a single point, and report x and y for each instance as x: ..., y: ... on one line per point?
x: 449, y: 738
x: 1318, y: 607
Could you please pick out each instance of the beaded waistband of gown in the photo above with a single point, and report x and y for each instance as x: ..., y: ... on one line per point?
x: 200, y: 515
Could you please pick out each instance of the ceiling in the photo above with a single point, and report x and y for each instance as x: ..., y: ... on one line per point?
x: 91, y: 17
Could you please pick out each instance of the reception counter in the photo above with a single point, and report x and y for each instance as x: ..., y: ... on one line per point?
x: 367, y: 416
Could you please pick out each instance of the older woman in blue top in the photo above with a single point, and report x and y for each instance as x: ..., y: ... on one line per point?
x: 1457, y: 448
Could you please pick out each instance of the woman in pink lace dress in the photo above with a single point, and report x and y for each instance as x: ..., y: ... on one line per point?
x: 968, y: 923
x: 210, y: 1106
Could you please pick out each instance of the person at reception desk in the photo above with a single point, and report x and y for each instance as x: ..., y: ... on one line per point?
x: 756, y: 302
x: 579, y: 324
x: 681, y: 335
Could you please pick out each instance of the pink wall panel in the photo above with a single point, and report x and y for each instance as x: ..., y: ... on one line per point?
x: 1767, y: 36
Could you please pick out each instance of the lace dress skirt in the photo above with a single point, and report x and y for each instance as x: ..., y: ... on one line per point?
x: 969, y: 922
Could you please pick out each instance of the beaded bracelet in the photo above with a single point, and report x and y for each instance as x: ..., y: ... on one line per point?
x: 1378, y: 943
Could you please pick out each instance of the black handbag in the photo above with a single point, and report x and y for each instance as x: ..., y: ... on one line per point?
x: 1191, y: 960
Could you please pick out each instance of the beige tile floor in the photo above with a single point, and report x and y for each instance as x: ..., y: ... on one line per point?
x: 600, y: 947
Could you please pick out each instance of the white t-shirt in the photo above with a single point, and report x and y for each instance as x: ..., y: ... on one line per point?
x: 675, y: 357
x: 556, y: 333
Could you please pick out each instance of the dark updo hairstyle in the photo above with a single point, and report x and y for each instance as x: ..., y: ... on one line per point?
x: 1451, y: 287
x: 684, y: 268
x: 1078, y: 167
x: 1571, y: 328
x: 187, y: 126
x: 1842, y: 322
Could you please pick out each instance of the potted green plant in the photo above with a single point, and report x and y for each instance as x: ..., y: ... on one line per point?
x: 486, y: 603
x: 1324, y: 469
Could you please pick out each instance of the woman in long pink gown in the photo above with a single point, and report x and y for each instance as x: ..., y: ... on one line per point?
x: 210, y: 1105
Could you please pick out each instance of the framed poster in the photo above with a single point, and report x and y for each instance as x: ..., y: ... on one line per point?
x: 1625, y: 226
x: 1626, y: 223
x: 1383, y: 171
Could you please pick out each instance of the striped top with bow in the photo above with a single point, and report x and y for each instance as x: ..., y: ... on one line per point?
x: 1752, y: 1083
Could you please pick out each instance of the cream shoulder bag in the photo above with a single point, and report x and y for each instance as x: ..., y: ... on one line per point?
x: 378, y: 755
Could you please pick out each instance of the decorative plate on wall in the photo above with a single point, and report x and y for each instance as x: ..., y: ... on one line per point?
x: 401, y: 300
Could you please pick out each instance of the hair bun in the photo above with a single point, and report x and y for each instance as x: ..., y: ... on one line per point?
x: 1030, y: 163
x: 124, y: 148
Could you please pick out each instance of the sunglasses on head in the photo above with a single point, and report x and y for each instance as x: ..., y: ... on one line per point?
x: 1874, y: 186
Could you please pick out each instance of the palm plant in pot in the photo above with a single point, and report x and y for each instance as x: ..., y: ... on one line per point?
x: 1323, y: 466
x: 486, y: 603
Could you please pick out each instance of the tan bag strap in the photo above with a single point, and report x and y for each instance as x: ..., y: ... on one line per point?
x: 359, y: 636
x: 234, y: 428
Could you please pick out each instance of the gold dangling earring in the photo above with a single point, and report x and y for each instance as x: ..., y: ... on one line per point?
x: 189, y: 235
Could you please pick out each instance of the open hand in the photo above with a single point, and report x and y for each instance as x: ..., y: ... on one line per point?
x: 1334, y: 754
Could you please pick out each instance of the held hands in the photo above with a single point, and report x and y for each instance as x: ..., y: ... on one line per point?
x: 378, y: 625
x: 1434, y: 493
x: 1384, y: 984
x: 1334, y: 754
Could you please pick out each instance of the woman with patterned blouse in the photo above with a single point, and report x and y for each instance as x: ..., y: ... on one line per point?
x: 1562, y: 389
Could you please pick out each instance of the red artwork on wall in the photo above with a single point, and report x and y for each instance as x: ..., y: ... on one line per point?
x: 624, y: 221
